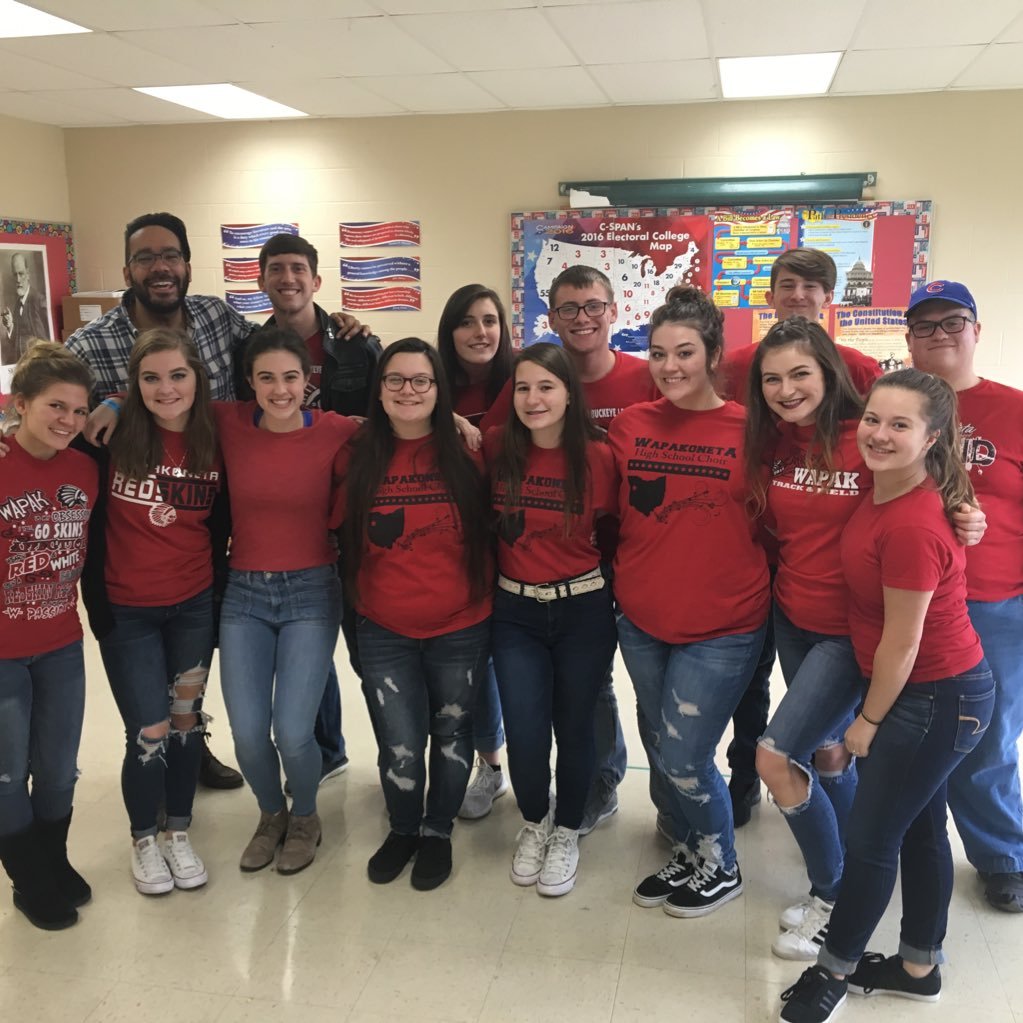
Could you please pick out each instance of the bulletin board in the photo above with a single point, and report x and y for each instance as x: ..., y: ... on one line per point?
x: 879, y: 248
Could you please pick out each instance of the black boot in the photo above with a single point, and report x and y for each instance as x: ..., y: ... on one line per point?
x: 215, y: 775
x: 53, y: 838
x: 35, y: 892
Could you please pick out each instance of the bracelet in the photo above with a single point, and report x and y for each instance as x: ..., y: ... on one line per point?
x: 110, y: 403
x: 876, y: 724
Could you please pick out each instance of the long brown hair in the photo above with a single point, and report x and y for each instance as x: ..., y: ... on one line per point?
x: 578, y: 431
x: 840, y: 402
x: 455, y: 310
x: 136, y: 447
x: 944, y: 458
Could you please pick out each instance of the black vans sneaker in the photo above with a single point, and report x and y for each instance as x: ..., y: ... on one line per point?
x: 815, y: 998
x: 707, y: 887
x: 653, y: 890
x: 879, y: 976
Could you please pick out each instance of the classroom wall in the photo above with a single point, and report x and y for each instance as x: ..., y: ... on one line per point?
x: 33, y: 172
x: 462, y: 175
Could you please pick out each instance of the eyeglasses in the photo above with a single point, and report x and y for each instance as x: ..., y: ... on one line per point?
x: 420, y: 383
x: 950, y: 325
x: 570, y: 310
x: 172, y: 257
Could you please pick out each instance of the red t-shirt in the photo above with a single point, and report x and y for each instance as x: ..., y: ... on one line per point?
x: 158, y: 546
x: 314, y: 343
x: 628, y: 383
x: 44, y: 521
x: 688, y: 567
x: 992, y: 431
x: 533, y: 547
x: 735, y: 368
x: 808, y: 523
x: 908, y: 544
x: 280, y: 486
x: 412, y: 577
x: 471, y: 402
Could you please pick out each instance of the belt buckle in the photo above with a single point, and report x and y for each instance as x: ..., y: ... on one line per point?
x: 545, y: 594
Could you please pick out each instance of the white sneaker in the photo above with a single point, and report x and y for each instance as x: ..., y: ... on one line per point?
x: 804, y: 942
x: 187, y: 869
x: 149, y: 868
x: 530, y: 850
x: 794, y: 915
x: 487, y: 786
x: 560, y: 863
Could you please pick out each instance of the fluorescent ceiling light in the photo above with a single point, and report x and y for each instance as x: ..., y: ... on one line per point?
x: 795, y: 74
x: 20, y: 20
x: 223, y: 101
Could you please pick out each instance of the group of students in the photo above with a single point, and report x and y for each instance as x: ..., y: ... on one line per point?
x: 453, y: 557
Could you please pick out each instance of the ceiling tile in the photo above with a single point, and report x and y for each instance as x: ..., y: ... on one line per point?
x: 1014, y: 33
x: 489, y: 41
x: 126, y: 104
x: 915, y: 70
x: 110, y: 57
x: 350, y: 46
x: 252, y: 12
x: 998, y: 67
x: 17, y: 72
x: 432, y: 93
x: 648, y: 31
x: 30, y: 107
x: 669, y: 81
x: 546, y: 87
x: 123, y: 15
x: 896, y: 26
x: 741, y: 28
x: 449, y: 6
x: 324, y: 97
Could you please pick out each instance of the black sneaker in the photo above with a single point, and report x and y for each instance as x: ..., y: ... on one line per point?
x: 814, y: 998
x: 745, y: 795
x: 707, y: 887
x: 433, y: 863
x: 653, y: 890
x: 213, y: 774
x: 1004, y: 891
x: 390, y: 859
x: 879, y: 976
x: 329, y: 769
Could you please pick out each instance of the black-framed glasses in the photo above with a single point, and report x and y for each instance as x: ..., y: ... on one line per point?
x: 950, y: 325
x: 570, y: 310
x: 144, y: 259
x: 421, y: 383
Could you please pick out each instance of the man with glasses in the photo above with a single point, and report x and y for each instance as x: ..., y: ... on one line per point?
x: 984, y: 791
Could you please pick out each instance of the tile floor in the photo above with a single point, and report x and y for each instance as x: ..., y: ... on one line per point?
x: 326, y: 946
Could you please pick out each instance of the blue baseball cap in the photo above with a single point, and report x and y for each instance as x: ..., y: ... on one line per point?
x: 947, y: 291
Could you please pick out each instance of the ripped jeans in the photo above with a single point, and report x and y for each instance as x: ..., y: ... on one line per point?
x: 685, y: 697
x: 157, y: 660
x: 419, y: 690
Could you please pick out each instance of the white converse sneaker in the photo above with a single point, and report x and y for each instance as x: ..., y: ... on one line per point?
x: 792, y: 916
x: 185, y: 866
x: 149, y: 868
x: 487, y: 786
x: 804, y: 942
x: 560, y: 863
x: 530, y: 850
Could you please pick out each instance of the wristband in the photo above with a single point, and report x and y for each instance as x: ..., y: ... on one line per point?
x: 111, y: 404
x: 876, y: 724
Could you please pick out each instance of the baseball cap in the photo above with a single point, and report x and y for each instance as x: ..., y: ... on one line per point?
x: 948, y: 291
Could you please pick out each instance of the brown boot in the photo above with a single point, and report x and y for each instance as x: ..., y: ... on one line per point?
x: 299, y: 850
x: 270, y: 831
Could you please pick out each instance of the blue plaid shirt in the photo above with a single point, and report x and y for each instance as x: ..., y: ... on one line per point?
x: 217, y: 330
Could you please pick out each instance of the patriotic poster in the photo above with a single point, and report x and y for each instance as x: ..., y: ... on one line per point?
x: 388, y: 300
x: 385, y: 268
x: 241, y: 268
x: 252, y: 236
x: 880, y: 250
x: 248, y: 302
x: 371, y: 233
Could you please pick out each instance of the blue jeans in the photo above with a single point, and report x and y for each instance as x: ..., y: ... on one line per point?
x: 42, y: 703
x: 824, y: 688
x: 277, y: 637
x: 552, y: 659
x: 685, y: 696
x: 899, y: 815
x: 327, y: 728
x: 420, y: 691
x: 149, y: 651
x: 487, y: 729
x: 984, y: 795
